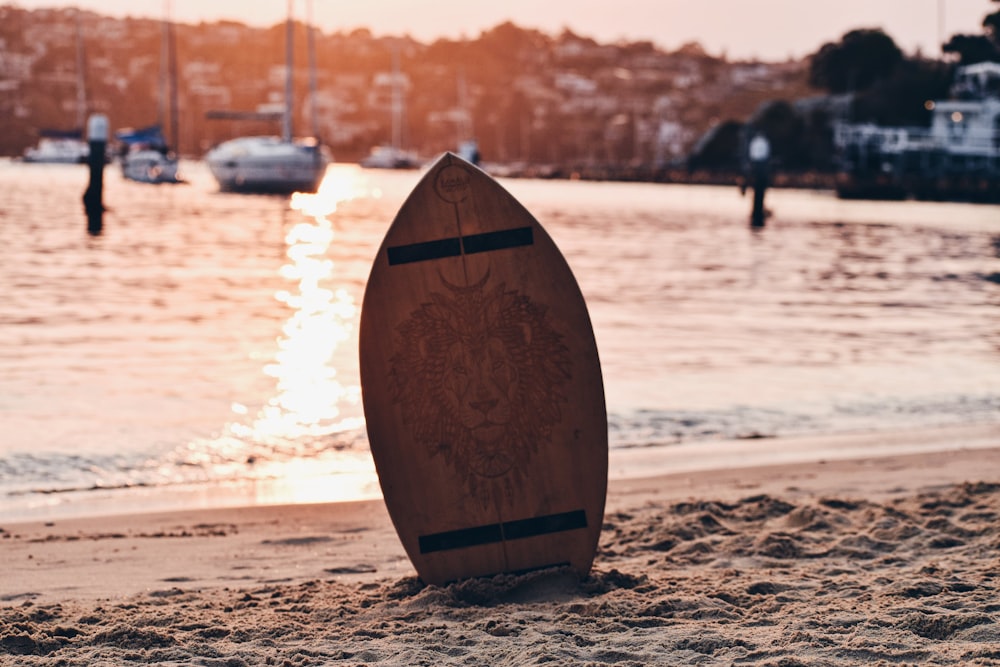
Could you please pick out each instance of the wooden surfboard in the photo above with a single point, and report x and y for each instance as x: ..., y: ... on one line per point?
x: 481, y: 385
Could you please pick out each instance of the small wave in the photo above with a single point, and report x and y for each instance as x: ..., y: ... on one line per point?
x: 649, y: 428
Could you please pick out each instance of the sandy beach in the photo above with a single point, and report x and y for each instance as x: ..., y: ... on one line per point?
x: 884, y: 554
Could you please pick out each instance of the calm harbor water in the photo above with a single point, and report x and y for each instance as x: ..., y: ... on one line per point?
x: 208, y: 341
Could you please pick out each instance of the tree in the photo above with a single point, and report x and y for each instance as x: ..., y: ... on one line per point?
x: 991, y: 26
x: 860, y: 59
x: 901, y: 99
x: 972, y: 49
x: 719, y: 149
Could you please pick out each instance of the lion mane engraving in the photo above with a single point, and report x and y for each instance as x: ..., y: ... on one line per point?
x: 479, y: 376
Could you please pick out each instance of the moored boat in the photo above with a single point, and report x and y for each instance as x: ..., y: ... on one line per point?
x: 66, y: 146
x: 146, y: 157
x: 149, y: 165
x: 390, y: 157
x: 58, y: 147
x: 393, y: 155
x: 956, y: 158
x: 270, y: 164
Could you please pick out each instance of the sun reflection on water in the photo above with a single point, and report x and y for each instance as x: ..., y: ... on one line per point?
x: 309, y: 393
x: 308, y: 390
x: 299, y: 442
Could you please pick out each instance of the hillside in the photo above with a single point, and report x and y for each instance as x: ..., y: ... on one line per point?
x: 526, y: 96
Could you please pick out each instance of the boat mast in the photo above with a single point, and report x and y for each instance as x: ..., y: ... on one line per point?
x: 397, y: 100
x: 161, y: 100
x: 311, y: 45
x: 465, y: 132
x: 175, y: 135
x: 167, y: 102
x: 81, y: 86
x: 286, y: 120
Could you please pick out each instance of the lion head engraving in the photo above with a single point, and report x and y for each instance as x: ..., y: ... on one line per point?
x: 479, y: 377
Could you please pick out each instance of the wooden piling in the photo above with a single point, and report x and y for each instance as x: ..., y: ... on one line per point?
x: 93, y: 196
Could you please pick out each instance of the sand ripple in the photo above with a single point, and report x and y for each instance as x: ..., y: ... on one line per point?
x: 761, y: 581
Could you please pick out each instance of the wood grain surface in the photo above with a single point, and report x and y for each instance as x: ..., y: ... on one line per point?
x: 481, y: 384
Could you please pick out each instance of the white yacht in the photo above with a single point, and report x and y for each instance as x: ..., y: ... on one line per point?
x: 58, y: 149
x: 269, y: 164
x: 66, y: 146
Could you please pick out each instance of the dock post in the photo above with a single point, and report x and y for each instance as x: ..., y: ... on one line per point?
x: 93, y: 196
x: 760, y: 154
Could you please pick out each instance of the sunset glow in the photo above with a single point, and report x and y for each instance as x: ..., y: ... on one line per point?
x: 308, y: 389
x: 299, y: 442
x: 768, y: 30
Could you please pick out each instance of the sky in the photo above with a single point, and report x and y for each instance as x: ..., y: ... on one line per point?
x: 741, y: 29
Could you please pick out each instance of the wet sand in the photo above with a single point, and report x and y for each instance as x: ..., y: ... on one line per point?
x: 887, y: 558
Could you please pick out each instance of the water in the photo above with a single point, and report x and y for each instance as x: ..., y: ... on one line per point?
x: 203, y: 350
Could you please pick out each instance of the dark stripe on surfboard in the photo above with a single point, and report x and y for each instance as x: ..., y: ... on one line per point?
x: 421, y: 252
x: 498, y: 532
x: 455, y: 245
x: 507, y: 238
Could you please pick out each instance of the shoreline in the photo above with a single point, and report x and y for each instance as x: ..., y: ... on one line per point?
x: 624, y: 463
x: 881, y: 559
x: 359, y: 537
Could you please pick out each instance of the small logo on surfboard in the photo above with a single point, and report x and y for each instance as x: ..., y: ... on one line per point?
x: 452, y: 184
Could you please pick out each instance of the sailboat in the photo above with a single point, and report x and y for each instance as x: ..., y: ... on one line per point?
x: 393, y: 156
x: 66, y: 146
x: 269, y: 164
x: 147, y: 157
x: 58, y: 146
